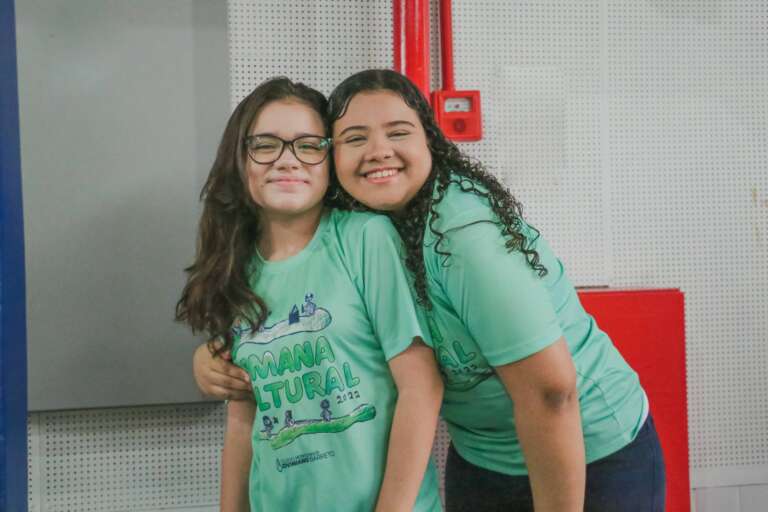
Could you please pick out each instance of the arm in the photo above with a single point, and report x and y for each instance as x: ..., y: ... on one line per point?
x: 400, y: 327
x: 548, y: 423
x: 508, y: 310
x: 420, y: 392
x: 236, y: 457
x: 218, y: 377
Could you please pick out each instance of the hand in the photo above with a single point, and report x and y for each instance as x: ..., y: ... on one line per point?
x: 217, y: 377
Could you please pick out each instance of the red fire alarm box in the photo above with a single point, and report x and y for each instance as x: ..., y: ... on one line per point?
x: 458, y: 114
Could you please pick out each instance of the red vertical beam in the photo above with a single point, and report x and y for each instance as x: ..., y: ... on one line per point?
x: 417, y: 44
x: 446, y: 45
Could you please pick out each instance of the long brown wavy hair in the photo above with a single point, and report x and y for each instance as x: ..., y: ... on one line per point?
x: 218, y: 291
x: 449, y: 165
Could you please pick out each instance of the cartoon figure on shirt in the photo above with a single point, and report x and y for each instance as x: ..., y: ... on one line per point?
x: 461, y: 370
x: 309, y: 307
x: 326, y: 412
x: 289, y: 421
x: 310, y: 318
x: 269, y: 424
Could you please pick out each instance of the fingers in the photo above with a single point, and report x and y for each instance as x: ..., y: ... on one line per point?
x: 229, y: 394
x: 227, y: 380
x: 238, y: 373
x: 227, y: 368
x: 213, y: 346
x: 217, y: 376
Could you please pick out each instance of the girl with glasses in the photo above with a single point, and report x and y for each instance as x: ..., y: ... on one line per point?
x: 314, y: 305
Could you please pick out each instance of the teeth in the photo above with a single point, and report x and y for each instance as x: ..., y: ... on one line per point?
x: 384, y: 173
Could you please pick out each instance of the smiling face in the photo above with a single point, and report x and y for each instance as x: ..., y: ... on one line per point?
x: 287, y: 188
x: 380, y: 150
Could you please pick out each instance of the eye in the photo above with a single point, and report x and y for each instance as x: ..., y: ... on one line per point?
x: 257, y: 146
x: 309, y: 146
x: 354, y: 139
x: 399, y: 134
x: 262, y: 144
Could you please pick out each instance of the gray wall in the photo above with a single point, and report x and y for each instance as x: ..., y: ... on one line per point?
x: 122, y: 105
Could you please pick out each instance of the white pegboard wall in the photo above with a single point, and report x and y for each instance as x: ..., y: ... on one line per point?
x: 125, y: 459
x: 317, y: 42
x: 688, y: 113
x: 538, y: 68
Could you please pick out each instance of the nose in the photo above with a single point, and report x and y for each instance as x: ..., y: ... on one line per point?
x: 287, y: 160
x: 379, y: 149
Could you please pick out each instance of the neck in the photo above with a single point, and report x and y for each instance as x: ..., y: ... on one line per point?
x: 284, y: 236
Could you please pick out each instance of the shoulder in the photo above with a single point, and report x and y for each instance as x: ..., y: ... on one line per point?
x: 351, y: 223
x: 356, y: 229
x: 461, y: 204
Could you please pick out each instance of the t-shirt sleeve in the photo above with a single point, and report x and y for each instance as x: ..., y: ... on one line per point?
x: 498, y: 296
x: 386, y: 290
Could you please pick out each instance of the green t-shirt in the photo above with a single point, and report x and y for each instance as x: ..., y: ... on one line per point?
x: 338, y: 311
x: 490, y: 308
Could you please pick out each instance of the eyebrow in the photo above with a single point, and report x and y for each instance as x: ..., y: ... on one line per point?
x: 270, y: 134
x: 388, y: 125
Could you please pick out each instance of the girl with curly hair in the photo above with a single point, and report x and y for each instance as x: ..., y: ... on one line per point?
x: 542, y: 410
x: 315, y: 306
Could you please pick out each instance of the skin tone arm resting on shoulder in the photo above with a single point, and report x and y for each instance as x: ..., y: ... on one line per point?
x: 236, y: 456
x: 420, y: 392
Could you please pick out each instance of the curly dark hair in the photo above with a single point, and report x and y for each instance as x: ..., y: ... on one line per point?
x: 449, y: 165
x: 218, y: 291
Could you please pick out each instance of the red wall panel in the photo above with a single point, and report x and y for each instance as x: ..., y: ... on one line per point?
x: 648, y: 328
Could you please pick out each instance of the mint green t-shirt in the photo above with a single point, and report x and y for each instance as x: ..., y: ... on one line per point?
x: 491, y: 308
x: 338, y: 311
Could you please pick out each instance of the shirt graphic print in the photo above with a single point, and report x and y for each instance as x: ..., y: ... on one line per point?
x: 320, y: 377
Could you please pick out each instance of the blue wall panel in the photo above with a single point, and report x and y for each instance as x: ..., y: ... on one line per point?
x: 13, y: 355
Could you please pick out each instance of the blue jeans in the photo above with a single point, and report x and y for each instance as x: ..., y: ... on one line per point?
x: 629, y: 480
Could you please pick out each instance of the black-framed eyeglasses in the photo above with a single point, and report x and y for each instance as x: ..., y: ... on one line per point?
x: 267, y: 149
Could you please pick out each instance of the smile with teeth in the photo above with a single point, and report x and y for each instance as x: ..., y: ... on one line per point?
x: 381, y: 173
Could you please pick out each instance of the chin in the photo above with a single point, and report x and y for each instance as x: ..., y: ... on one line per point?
x: 384, y: 206
x: 384, y: 201
x: 294, y: 207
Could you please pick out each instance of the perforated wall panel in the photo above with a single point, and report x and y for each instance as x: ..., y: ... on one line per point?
x: 319, y: 42
x: 688, y: 84
x: 538, y: 67
x: 110, y: 460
